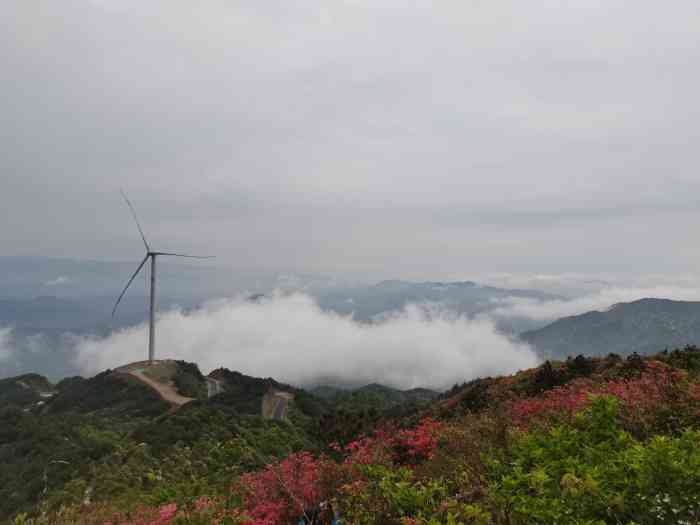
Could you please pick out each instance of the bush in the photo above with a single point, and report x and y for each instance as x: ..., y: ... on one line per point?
x: 592, y: 471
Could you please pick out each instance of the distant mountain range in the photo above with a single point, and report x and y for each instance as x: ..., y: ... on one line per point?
x: 71, y: 295
x: 645, y: 326
x: 370, y: 302
x: 44, y: 299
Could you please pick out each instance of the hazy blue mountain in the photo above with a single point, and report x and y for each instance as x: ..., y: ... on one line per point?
x: 467, y: 298
x: 644, y: 326
x: 40, y: 284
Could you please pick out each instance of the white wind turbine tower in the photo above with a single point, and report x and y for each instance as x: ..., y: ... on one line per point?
x: 152, y: 255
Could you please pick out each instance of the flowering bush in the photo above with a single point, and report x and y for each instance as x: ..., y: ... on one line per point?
x: 419, y: 443
x: 659, y: 396
x: 282, y: 492
x: 402, y: 447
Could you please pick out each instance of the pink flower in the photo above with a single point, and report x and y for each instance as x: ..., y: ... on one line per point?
x: 167, y: 513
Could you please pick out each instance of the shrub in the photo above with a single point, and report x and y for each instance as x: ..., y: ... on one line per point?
x: 592, y: 471
x: 660, y: 399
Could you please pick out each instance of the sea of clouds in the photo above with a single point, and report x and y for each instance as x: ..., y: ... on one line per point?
x: 290, y: 338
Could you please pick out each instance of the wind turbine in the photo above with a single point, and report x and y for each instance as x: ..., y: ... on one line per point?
x: 152, y: 255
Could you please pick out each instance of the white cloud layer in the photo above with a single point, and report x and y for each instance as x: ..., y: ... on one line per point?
x: 536, y: 310
x: 291, y: 339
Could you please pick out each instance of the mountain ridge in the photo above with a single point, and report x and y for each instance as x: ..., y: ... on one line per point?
x: 644, y: 326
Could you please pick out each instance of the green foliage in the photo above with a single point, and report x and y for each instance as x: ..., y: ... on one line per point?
x: 350, y: 414
x: 593, y: 472
x: 110, y: 394
x: 115, y: 454
x: 69, y: 382
x: 394, y: 496
x: 580, y: 366
x: 379, y: 398
x: 687, y: 358
x: 387, y: 496
x: 189, y: 381
x: 23, y: 391
x: 475, y: 395
x: 135, y: 473
x: 244, y: 393
x: 39, y: 453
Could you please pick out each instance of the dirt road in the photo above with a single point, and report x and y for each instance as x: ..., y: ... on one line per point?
x: 167, y: 392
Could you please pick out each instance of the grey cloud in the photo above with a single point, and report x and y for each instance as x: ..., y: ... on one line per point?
x: 354, y: 136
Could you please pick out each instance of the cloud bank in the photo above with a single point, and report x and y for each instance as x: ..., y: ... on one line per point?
x: 355, y: 136
x: 291, y: 339
x: 536, y: 310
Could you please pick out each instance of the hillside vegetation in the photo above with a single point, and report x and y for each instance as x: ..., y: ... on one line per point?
x: 583, y: 441
x: 113, y: 438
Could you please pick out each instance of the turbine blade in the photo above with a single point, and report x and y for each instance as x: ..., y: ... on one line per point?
x: 188, y: 256
x: 114, y: 310
x: 136, y: 219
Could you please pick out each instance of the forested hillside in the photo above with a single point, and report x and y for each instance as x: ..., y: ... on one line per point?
x: 587, y: 440
x: 113, y: 438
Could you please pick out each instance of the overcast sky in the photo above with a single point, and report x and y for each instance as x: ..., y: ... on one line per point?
x: 418, y: 139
